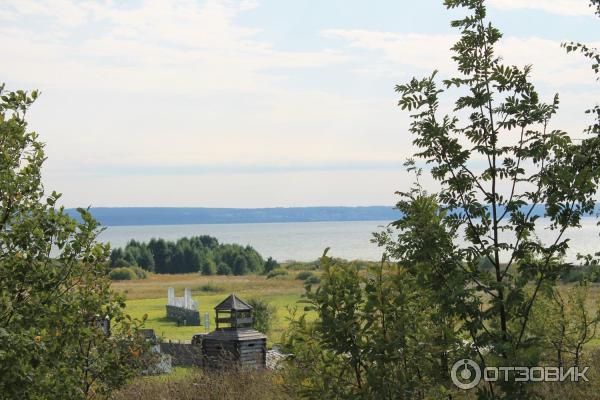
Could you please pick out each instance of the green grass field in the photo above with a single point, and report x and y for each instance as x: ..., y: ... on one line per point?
x: 155, y: 309
x: 149, y: 297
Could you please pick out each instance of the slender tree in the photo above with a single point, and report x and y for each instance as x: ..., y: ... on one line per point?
x: 529, y: 170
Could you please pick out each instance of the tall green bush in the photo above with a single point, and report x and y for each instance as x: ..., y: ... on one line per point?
x: 373, y: 337
x: 122, y: 274
x: 54, y: 286
x: 264, y: 315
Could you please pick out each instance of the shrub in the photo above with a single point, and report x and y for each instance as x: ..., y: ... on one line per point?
x: 211, y: 287
x: 277, y: 272
x: 139, y: 272
x: 304, y: 275
x: 263, y: 315
x: 312, y: 280
x: 270, y: 265
x: 122, y: 274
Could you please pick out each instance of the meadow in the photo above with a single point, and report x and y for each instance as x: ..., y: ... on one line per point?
x: 149, y: 296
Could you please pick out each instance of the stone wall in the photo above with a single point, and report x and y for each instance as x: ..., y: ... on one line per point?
x: 183, y: 316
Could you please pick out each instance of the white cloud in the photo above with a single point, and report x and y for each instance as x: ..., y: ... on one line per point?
x: 164, y: 46
x: 562, y: 7
x: 409, y: 50
x: 183, y: 83
x: 551, y: 64
x: 395, y: 52
x: 64, y: 12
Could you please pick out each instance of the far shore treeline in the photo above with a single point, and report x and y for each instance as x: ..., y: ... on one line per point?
x: 202, y: 254
x: 135, y: 216
x: 131, y: 216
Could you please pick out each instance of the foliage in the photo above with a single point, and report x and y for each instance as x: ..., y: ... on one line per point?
x: 499, y: 118
x: 127, y: 273
x: 277, y: 273
x: 54, y: 286
x: 312, y: 280
x: 202, y: 254
x: 208, y: 266
x: 565, y: 323
x: 139, y: 272
x: 574, y: 390
x: 424, y: 247
x: 373, y: 337
x: 579, y: 273
x: 304, y: 275
x: 270, y: 265
x: 122, y: 274
x: 183, y: 384
x: 264, y: 315
x: 575, y: 274
x: 223, y: 269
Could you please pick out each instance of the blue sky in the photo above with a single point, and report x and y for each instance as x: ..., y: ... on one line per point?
x: 255, y: 103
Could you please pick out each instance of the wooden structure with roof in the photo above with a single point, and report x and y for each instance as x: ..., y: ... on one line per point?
x: 234, y: 341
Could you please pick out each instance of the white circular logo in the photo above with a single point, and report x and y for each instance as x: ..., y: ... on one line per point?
x: 465, y: 374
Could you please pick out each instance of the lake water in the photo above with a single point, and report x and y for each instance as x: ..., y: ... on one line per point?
x: 305, y: 241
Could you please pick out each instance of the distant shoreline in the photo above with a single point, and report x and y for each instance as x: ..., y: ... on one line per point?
x: 141, y: 216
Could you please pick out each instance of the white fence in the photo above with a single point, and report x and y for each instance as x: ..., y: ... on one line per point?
x: 183, y: 302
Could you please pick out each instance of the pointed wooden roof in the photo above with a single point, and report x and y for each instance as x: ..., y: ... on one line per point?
x: 233, y: 303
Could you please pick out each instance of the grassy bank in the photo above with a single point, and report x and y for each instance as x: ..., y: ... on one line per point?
x: 191, y: 383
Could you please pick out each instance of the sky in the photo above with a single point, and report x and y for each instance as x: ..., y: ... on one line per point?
x: 255, y: 103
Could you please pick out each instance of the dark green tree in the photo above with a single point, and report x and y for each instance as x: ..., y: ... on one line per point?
x: 254, y: 260
x: 116, y: 255
x: 162, y: 255
x: 208, y: 241
x: 208, y: 266
x: 186, y: 255
x: 270, y: 265
x: 145, y: 259
x: 120, y: 263
x: 240, y: 265
x: 223, y: 269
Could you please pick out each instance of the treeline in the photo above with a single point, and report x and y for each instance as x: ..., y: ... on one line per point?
x: 202, y: 254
